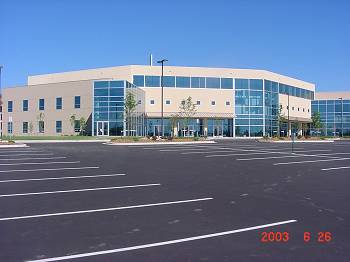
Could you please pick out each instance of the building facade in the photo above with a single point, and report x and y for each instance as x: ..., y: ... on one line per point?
x: 228, y: 102
x: 334, y: 110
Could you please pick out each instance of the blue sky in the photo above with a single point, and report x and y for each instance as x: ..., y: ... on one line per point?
x: 306, y: 39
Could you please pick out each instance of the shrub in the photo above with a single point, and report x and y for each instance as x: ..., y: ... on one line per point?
x: 135, y: 138
x: 170, y: 138
x: 196, y: 138
x: 299, y: 136
x: 154, y: 138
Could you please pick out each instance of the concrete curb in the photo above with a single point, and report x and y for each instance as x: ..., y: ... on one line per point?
x: 159, y: 143
x: 64, y: 141
x: 297, y: 141
x: 11, y: 146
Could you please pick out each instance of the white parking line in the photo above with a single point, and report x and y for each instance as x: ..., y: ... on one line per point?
x: 21, y: 151
x: 269, y: 157
x: 29, y: 154
x: 58, y: 178
x: 77, y: 190
x: 39, y: 163
x: 32, y: 158
x: 311, y: 161
x: 106, y: 209
x: 48, y: 169
x: 157, y: 244
x: 335, y: 168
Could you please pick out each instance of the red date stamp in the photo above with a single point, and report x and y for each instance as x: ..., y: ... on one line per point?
x: 284, y: 236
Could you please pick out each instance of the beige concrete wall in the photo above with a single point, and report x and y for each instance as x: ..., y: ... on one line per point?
x: 126, y: 72
x: 299, y: 107
x: 332, y: 95
x: 205, y: 96
x: 49, y: 92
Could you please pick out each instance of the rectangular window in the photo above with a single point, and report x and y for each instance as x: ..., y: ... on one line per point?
x: 77, y: 102
x: 41, y: 126
x: 10, y: 128
x: 116, y: 92
x: 213, y: 82
x: 151, y: 101
x: 169, y: 81
x: 116, y: 84
x: 241, y: 83
x: 198, y: 102
x: 101, y: 92
x: 58, y: 126
x: 228, y: 103
x: 9, y: 106
x: 167, y: 102
x: 101, y: 84
x: 197, y: 82
x: 139, y: 80
x: 226, y: 83
x: 25, y: 127
x: 41, y: 104
x: 58, y: 103
x: 152, y: 81
x: 256, y: 84
x: 213, y: 103
x: 25, y: 105
x: 182, y: 81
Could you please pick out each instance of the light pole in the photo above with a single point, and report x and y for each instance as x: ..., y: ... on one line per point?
x: 162, y: 85
x: 341, y: 117
x: 0, y: 106
x: 288, y: 113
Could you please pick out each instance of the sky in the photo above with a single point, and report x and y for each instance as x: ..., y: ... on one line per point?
x: 305, y: 39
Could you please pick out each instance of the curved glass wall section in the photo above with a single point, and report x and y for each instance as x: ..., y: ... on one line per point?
x: 109, y: 116
x: 335, y: 117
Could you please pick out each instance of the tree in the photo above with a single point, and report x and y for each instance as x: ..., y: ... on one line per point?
x: 281, y: 119
x: 187, y: 110
x: 130, y: 106
x: 30, y: 128
x: 40, y: 119
x: 83, y: 125
x: 72, y: 120
x: 174, y: 119
x: 316, y: 120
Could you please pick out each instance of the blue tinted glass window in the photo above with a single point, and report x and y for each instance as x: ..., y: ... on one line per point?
x: 256, y: 110
x: 241, y: 83
x: 275, y: 87
x: 169, y: 81
x: 58, y: 103
x: 213, y: 82
x: 242, y: 110
x: 256, y: 84
x: 25, y: 105
x: 9, y: 106
x: 77, y: 101
x: 182, y: 81
x: 268, y: 85
x: 226, y: 83
x: 242, y: 121
x: 242, y: 97
x: 116, y: 83
x: 41, y: 104
x: 256, y: 130
x: 116, y: 92
x: 25, y: 127
x: 197, y: 82
x: 256, y: 122
x: 58, y: 126
x: 101, y: 92
x: 100, y: 84
x: 139, y: 80
x: 256, y: 98
x: 152, y: 81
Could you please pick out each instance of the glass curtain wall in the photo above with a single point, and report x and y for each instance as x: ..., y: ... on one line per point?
x: 271, y: 108
x: 335, y: 117
x: 109, y: 109
x: 249, y: 107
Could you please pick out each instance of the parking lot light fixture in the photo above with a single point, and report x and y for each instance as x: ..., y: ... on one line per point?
x: 162, y: 96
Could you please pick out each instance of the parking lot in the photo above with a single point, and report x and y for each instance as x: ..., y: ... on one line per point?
x: 195, y: 202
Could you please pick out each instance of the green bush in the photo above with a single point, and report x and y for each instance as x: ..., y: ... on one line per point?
x: 135, y: 138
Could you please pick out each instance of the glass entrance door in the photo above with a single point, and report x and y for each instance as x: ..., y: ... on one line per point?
x: 218, y: 130
x: 102, y: 128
